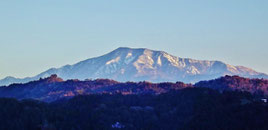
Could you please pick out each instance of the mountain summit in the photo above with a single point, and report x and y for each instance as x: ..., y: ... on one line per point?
x: 128, y: 64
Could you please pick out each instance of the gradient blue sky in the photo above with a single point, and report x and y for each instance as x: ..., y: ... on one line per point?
x: 36, y: 35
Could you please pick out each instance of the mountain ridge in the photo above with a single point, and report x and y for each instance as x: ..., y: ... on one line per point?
x: 139, y: 64
x: 55, y: 88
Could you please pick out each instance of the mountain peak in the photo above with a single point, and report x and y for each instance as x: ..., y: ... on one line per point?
x: 123, y: 48
x: 140, y: 64
x: 129, y: 48
x: 136, y: 49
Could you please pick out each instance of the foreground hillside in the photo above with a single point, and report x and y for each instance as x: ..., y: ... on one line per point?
x: 54, y: 88
x: 189, y: 108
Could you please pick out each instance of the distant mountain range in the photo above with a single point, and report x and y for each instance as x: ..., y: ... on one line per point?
x: 54, y: 88
x: 128, y: 64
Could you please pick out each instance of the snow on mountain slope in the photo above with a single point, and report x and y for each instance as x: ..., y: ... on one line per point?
x: 127, y: 64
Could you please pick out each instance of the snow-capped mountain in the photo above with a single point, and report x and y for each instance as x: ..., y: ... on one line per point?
x: 128, y: 64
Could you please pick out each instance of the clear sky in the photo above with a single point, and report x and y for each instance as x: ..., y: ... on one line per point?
x: 36, y: 35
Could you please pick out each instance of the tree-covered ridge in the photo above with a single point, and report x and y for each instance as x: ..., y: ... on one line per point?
x: 236, y: 83
x: 54, y: 88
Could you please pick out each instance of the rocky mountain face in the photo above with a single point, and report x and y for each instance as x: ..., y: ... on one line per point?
x: 127, y: 64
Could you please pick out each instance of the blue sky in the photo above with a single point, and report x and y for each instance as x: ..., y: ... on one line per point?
x: 36, y: 35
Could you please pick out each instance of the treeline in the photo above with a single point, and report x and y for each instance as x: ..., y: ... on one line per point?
x: 54, y: 88
x: 189, y: 108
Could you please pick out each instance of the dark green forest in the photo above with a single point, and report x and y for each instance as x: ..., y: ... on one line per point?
x: 189, y: 108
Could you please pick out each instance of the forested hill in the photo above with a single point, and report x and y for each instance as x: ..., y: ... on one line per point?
x: 54, y: 88
x: 236, y: 83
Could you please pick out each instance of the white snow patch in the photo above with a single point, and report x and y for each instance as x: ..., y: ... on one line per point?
x: 159, y: 62
x: 172, y: 59
x: 129, y: 55
x: 192, y: 70
x: 113, y: 60
x: 129, y: 58
x: 144, y: 62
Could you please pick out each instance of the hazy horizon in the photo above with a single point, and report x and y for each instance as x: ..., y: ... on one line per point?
x: 38, y: 35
